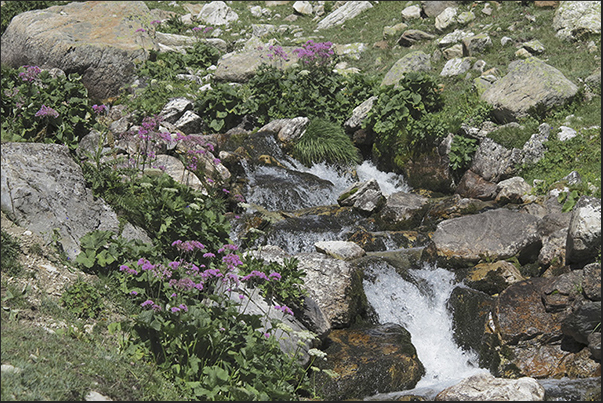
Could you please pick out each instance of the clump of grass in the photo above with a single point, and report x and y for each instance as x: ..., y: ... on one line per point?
x: 325, y: 141
x: 515, y: 135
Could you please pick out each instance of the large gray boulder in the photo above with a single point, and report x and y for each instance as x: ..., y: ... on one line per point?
x: 575, y: 18
x: 334, y: 286
x: 495, y: 234
x: 529, y: 84
x: 240, y: 66
x: 413, y: 61
x: 217, y: 13
x: 44, y: 190
x: 348, y: 10
x: 100, y: 40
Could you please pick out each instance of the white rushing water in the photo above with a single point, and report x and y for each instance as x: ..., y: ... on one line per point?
x: 389, y: 182
x: 294, y: 192
x: 421, y: 308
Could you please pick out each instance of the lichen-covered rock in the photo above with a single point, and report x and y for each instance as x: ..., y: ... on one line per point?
x: 100, y: 40
x: 529, y: 84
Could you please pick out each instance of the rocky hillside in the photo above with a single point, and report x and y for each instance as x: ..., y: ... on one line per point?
x: 502, y: 154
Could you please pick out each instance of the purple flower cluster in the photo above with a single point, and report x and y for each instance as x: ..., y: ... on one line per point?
x: 127, y: 269
x: 205, y: 30
x: 312, y: 53
x: 31, y: 74
x: 277, y: 53
x: 284, y: 308
x: 256, y: 274
x: 98, y: 109
x: 47, y: 111
x: 150, y: 304
x: 188, y: 246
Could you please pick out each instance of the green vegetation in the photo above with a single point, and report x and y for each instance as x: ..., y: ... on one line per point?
x: 34, y: 107
x: 141, y: 350
x: 82, y: 299
x: 406, y: 121
x: 10, y: 249
x: 325, y: 141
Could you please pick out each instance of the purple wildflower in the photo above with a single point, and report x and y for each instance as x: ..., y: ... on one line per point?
x: 148, y: 302
x: 47, y: 111
x: 274, y: 276
x: 99, y: 108
x: 31, y: 74
x: 284, y: 309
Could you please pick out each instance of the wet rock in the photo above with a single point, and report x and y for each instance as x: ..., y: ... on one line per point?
x: 369, y: 361
x: 497, y: 234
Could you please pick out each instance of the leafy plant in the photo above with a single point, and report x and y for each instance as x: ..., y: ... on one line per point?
x: 192, y: 323
x: 82, y: 299
x: 399, y: 118
x: 222, y: 107
x: 102, y: 251
x: 10, y: 249
x: 461, y: 153
x: 287, y: 290
x: 325, y: 141
x: 165, y: 66
x: 568, y: 199
x: 34, y: 106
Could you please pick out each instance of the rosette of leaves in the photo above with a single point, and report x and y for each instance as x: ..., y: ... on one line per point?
x: 325, y: 141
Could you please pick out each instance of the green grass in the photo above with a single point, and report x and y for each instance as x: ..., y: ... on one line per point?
x: 69, y: 366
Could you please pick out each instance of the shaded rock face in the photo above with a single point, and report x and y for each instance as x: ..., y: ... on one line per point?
x: 429, y: 171
x: 539, y: 328
x: 369, y: 361
x: 474, y: 186
x: 470, y: 311
x: 96, y: 39
x: 43, y: 188
x: 402, y: 211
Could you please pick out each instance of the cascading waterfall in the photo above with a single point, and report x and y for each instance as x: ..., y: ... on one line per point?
x: 420, y: 306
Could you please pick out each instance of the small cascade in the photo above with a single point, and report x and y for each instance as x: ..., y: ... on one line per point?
x: 420, y: 306
x: 294, y: 186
